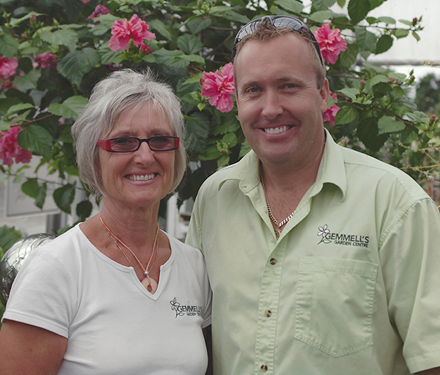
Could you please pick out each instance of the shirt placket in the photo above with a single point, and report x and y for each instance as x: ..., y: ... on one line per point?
x: 268, y: 311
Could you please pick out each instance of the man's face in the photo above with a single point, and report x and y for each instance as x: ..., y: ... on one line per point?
x: 279, y: 103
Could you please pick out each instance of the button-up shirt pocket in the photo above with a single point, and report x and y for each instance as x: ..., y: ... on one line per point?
x: 334, y: 304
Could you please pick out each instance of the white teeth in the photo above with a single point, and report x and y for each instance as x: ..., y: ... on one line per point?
x: 141, y: 177
x: 276, y: 130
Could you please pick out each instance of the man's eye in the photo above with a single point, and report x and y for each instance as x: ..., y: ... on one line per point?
x: 253, y: 90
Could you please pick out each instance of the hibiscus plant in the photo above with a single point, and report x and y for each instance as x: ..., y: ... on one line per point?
x: 52, y: 52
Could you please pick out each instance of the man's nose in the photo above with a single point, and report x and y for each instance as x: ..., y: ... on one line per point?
x: 271, y: 105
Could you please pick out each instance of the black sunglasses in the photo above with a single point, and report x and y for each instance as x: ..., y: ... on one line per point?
x: 280, y: 22
x: 131, y: 144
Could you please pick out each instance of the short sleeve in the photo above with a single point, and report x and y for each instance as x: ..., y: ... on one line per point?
x: 410, y: 257
x: 43, y: 292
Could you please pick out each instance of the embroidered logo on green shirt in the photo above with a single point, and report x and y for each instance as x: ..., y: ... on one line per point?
x: 341, y: 238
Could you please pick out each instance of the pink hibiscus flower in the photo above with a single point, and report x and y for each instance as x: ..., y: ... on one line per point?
x: 8, y: 67
x: 219, y: 87
x: 85, y: 1
x: 330, y: 42
x: 99, y: 11
x: 330, y: 113
x: 9, y: 149
x: 124, y: 31
x: 46, y: 60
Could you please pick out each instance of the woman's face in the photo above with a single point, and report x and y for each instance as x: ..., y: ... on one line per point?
x: 143, y: 177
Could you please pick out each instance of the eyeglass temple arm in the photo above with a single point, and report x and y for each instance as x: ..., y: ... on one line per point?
x: 106, y: 145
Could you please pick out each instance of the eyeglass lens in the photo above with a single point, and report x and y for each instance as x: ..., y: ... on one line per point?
x: 126, y: 144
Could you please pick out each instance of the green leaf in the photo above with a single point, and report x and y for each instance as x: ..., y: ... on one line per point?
x: 384, y: 43
x: 197, y: 131
x: 36, y: 139
x: 417, y: 116
x: 27, y: 81
x: 387, y: 20
x: 365, y: 39
x: 107, y: 55
x: 292, y: 6
x: 345, y: 115
x: 64, y: 196
x: 321, y: 16
x: 65, y: 37
x: 358, y: 10
x: 407, y: 23
x: 8, y: 237
x: 41, y: 196
x: 189, y: 44
x: 161, y: 28
x: 230, y: 139
x: 378, y: 79
x: 19, y: 107
x: 401, y: 33
x: 8, y: 46
x: 348, y: 57
x: 398, y: 92
x: 4, y: 126
x: 388, y: 124
x: 322, y: 4
x: 197, y: 24
x: 14, y: 22
x: 233, y: 16
x: 341, y: 3
x: 30, y: 187
x: 70, y: 108
x: 84, y: 209
x: 222, y: 161
x: 173, y: 58
x: 416, y: 36
x: 350, y: 92
x: 375, y: 3
x: 74, y: 65
x: 367, y: 133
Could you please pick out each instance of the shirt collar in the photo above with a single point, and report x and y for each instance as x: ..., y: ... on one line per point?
x: 331, y: 170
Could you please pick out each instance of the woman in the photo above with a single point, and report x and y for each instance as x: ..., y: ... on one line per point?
x: 115, y: 295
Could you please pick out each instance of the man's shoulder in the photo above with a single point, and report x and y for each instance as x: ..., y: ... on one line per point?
x: 368, y: 169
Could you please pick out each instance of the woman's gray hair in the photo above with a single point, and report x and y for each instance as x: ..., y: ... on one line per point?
x: 121, y: 91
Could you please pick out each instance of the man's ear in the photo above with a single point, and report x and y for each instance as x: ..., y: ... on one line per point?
x: 325, y: 95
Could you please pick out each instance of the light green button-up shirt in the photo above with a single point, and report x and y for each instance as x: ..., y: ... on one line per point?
x: 352, y: 286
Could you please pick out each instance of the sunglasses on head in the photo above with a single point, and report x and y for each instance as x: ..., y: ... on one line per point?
x: 280, y: 22
x: 132, y: 144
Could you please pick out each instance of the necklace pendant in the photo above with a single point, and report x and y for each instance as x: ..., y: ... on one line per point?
x: 146, y: 273
x: 150, y: 284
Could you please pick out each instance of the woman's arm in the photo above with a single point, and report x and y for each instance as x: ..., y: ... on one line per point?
x: 26, y: 349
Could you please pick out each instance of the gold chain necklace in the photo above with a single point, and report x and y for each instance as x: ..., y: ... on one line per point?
x: 149, y: 283
x: 274, y: 221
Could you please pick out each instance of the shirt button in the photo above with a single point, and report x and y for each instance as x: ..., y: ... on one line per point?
x: 273, y: 261
x: 263, y: 368
x: 268, y: 313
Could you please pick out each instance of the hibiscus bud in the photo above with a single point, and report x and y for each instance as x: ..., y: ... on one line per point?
x: 361, y: 84
x: 33, y: 19
x: 432, y: 119
x: 343, y: 143
x: 411, y: 80
x: 414, y: 21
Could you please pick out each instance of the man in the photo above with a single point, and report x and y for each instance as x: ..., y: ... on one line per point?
x: 322, y: 260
